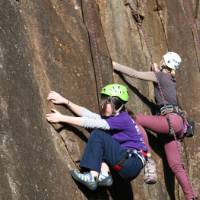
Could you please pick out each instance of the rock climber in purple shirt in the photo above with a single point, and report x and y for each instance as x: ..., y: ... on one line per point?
x: 168, y: 121
x: 115, y: 142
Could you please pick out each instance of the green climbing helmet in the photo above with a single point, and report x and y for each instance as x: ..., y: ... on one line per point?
x: 116, y: 90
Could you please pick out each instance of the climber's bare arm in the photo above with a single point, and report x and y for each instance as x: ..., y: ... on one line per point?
x: 148, y: 75
x: 86, y: 122
x: 56, y: 98
x: 57, y: 117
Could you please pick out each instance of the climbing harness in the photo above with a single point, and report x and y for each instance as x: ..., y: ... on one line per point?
x: 142, y: 155
x: 166, y: 109
x: 176, y: 110
x: 169, y: 108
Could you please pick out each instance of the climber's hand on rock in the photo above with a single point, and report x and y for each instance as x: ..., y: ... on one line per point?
x: 117, y: 66
x: 54, y: 117
x: 56, y: 98
x: 114, y: 64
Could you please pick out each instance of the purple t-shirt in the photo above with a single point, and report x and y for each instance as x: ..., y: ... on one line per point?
x: 126, y: 132
x: 168, y: 85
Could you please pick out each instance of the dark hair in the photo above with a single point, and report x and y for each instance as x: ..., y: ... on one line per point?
x: 116, y: 103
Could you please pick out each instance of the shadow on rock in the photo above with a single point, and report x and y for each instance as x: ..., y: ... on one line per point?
x: 121, y: 189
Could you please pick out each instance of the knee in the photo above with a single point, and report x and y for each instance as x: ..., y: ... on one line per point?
x: 98, y: 136
x: 97, y: 133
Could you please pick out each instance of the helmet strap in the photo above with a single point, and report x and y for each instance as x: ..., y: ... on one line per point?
x: 119, y: 109
x: 110, y: 101
x: 116, y: 112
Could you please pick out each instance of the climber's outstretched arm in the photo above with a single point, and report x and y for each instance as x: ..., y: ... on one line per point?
x: 148, y: 75
x: 56, y: 98
x: 57, y: 117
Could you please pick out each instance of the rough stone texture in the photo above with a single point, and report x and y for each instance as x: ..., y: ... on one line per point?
x: 165, y: 25
x: 60, y: 45
x: 44, y: 45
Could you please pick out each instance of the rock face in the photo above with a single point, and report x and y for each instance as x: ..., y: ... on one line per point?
x: 67, y: 46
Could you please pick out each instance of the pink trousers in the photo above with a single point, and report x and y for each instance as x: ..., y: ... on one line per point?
x: 159, y: 125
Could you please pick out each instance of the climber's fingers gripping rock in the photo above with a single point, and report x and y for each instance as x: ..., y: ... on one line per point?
x: 54, y: 116
x: 56, y: 98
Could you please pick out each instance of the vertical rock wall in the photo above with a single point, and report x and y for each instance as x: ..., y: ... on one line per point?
x: 139, y: 33
x: 44, y: 45
x: 67, y: 46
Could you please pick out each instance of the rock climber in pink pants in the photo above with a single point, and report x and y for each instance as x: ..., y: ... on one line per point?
x: 168, y: 121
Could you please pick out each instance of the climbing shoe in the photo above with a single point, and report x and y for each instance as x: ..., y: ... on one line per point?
x: 104, y: 179
x: 85, y: 178
x: 150, y: 175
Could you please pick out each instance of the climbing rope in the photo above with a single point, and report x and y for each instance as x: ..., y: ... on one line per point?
x: 138, y: 19
x: 171, y: 130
